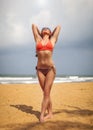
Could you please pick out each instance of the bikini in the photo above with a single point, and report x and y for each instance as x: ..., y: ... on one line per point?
x: 41, y: 47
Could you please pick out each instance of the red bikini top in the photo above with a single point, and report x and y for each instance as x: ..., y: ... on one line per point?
x: 40, y: 47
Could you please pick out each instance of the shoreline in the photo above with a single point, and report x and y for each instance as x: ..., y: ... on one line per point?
x: 31, y: 80
x: 55, y: 82
x: 20, y: 106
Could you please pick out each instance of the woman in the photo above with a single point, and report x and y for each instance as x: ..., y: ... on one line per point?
x: 45, y: 42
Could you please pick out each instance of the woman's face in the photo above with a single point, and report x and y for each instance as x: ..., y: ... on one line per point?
x: 46, y: 31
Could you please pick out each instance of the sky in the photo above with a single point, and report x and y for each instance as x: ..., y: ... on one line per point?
x: 73, y: 53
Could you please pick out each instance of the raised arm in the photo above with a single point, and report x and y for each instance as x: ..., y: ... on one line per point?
x: 36, y: 32
x: 55, y: 34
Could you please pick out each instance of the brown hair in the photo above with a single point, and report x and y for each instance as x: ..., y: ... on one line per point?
x: 45, y: 28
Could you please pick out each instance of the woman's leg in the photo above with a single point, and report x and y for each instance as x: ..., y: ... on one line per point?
x: 50, y: 103
x: 46, y: 100
x: 41, y: 79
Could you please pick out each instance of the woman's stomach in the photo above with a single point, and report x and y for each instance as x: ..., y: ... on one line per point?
x: 45, y: 59
x: 44, y: 64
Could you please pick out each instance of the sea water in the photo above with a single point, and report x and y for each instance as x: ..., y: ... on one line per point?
x: 30, y: 80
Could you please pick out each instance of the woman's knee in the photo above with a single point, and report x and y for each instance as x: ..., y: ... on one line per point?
x: 46, y: 93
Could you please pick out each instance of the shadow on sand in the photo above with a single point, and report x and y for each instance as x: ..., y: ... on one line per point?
x: 27, y: 109
x: 52, y: 125
x: 80, y: 112
x: 76, y: 112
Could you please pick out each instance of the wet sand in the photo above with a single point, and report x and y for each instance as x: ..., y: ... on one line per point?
x: 20, y: 106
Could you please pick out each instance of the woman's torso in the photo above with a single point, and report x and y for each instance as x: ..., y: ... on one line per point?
x: 44, y: 54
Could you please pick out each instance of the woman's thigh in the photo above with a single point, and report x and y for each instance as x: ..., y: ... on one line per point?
x: 41, y: 79
x: 49, y: 81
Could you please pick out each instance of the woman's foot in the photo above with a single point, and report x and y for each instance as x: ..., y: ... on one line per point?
x: 41, y: 119
x: 49, y: 116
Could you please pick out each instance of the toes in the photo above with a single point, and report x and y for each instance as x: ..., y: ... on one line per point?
x: 41, y: 119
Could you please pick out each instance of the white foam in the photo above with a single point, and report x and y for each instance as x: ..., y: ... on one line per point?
x: 29, y: 80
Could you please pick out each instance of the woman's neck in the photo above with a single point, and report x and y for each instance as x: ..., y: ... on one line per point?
x: 45, y: 37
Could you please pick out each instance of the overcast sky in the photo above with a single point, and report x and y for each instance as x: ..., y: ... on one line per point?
x: 73, y: 54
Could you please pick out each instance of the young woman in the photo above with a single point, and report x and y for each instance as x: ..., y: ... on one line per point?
x: 45, y: 42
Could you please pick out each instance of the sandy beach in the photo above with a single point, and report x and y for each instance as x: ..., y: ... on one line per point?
x: 20, y: 106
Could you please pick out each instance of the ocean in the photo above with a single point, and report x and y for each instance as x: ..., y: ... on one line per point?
x: 30, y: 80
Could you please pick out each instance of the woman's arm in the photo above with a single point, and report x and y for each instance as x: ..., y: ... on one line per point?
x: 55, y: 33
x: 36, y: 32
